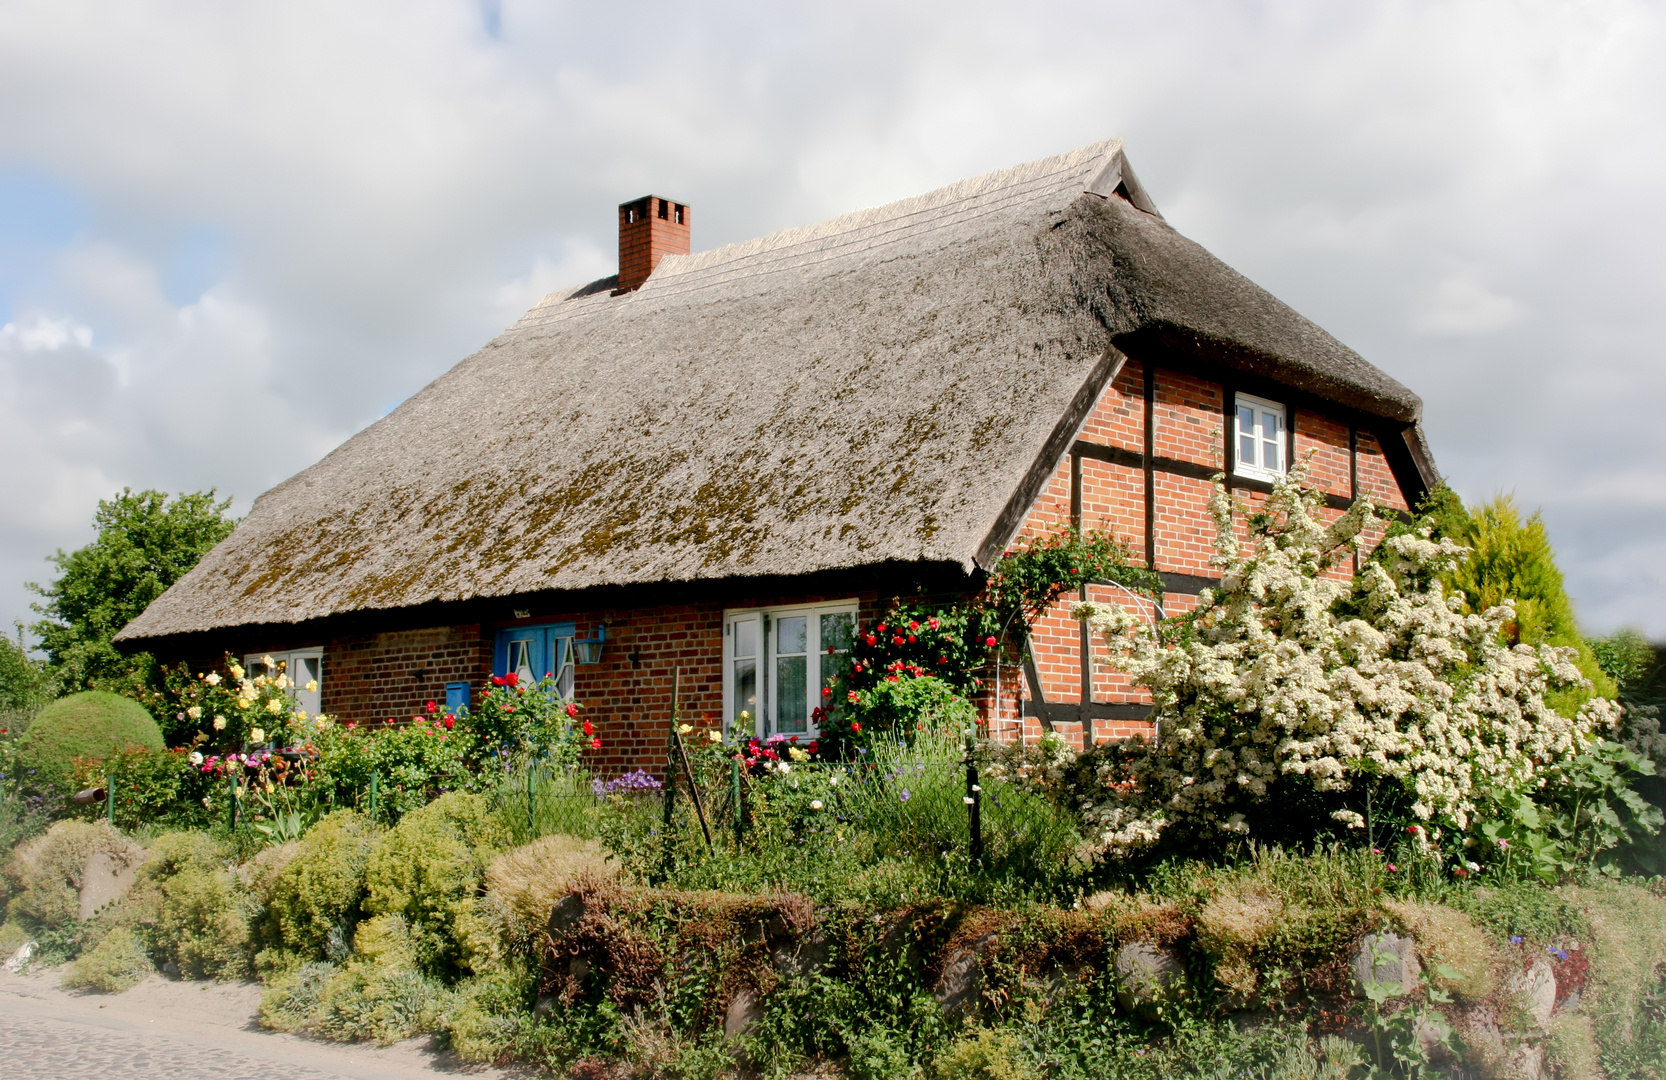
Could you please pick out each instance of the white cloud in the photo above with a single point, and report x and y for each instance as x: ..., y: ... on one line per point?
x: 394, y: 183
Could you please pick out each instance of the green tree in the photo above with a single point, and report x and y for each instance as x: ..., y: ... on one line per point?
x: 1511, y: 558
x: 146, y: 542
x: 25, y: 684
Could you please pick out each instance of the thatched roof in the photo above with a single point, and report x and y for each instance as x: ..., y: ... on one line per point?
x: 872, y: 389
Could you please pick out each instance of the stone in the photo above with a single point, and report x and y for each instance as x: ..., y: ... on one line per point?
x: 1535, y: 989
x: 106, y: 878
x: 20, y: 959
x: 566, y: 914
x: 546, y: 1006
x: 961, y: 982
x: 743, y: 1015
x: 1387, y: 958
x: 1144, y: 973
x: 801, y: 958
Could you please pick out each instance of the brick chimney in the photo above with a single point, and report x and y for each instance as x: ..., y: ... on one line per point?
x: 650, y: 228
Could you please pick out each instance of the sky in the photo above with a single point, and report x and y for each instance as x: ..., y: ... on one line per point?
x: 232, y: 235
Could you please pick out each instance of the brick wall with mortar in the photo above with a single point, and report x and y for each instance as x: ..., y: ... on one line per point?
x: 1188, y: 422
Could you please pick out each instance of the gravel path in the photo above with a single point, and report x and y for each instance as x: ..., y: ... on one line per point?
x: 185, y: 1030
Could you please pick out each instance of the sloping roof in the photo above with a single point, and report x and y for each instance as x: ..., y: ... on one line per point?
x: 870, y: 389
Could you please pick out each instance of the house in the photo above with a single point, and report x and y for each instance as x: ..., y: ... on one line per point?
x: 718, y: 462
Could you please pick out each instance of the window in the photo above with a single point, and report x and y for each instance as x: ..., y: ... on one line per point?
x: 776, y: 662
x: 532, y: 652
x: 305, y: 669
x: 1259, y: 430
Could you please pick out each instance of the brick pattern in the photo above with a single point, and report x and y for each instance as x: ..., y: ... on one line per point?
x: 646, y: 237
x: 1119, y: 417
x: 376, y: 677
x: 1376, y: 479
x: 1323, y: 443
x: 1186, y: 419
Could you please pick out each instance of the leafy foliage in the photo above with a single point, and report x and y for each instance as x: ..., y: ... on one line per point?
x: 146, y: 542
x: 1032, y: 576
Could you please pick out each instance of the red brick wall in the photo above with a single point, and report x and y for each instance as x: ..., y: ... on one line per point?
x: 1188, y: 425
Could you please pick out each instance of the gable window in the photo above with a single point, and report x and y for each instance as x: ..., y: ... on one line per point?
x: 776, y: 662
x: 305, y: 669
x: 1258, y: 429
x: 534, y: 652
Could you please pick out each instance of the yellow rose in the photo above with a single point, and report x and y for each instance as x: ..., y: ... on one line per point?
x: 684, y: 729
x: 715, y: 735
x: 321, y: 722
x: 312, y: 686
x: 258, y: 735
x: 275, y: 706
x: 236, y: 671
x: 212, y: 678
x: 219, y: 723
x: 269, y: 662
x: 796, y: 754
x: 194, y: 712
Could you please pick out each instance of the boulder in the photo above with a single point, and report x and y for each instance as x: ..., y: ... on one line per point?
x: 1387, y: 958
x: 1535, y: 990
x: 20, y: 959
x: 743, y: 1014
x: 565, y: 915
x: 105, y: 879
x: 1144, y: 973
x: 961, y: 982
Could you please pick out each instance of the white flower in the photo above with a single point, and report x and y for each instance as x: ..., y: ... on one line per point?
x: 967, y: 799
x: 833, y: 781
x: 194, y: 712
x: 212, y: 678
x: 815, y: 804
x: 784, y: 767
x: 269, y: 662
x: 219, y: 723
x: 195, y: 757
x: 257, y: 735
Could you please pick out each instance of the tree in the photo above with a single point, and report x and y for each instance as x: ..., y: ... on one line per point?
x: 25, y: 685
x: 145, y: 543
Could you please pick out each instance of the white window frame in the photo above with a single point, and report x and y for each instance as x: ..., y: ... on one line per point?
x: 1256, y: 467
x: 310, y: 702
x: 764, y: 716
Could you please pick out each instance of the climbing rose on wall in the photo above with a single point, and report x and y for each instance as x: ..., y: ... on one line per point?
x: 1291, y: 679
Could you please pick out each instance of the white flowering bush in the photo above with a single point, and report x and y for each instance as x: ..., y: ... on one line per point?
x: 1296, y: 690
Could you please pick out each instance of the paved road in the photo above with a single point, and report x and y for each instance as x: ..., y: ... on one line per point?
x: 189, y: 1031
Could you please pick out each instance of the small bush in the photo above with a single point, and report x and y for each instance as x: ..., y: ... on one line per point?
x: 91, y: 724
x: 428, y: 869
x: 988, y: 1055
x: 196, y: 915
x: 117, y: 963
x: 314, y: 900
x: 1452, y: 938
x: 378, y: 994
x: 527, y: 881
x: 1571, y: 1050
x: 45, y: 875
x: 488, y: 1011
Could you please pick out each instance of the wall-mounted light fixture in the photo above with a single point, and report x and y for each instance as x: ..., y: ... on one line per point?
x: 589, y: 650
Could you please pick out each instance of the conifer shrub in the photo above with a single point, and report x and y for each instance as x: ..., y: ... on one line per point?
x: 487, y: 1012
x: 118, y: 962
x: 428, y: 870
x: 524, y: 884
x: 314, y: 900
x: 988, y: 1054
x: 378, y: 993
x: 91, y: 724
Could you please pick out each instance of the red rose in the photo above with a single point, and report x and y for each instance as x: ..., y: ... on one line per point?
x: 989, y: 641
x: 497, y: 680
x: 351, y: 724
x: 589, y: 729
x: 890, y: 678
x: 595, y: 744
x: 881, y: 628
x: 872, y: 640
x: 512, y: 679
x: 814, y: 746
x: 390, y: 720
x: 827, y: 691
x: 856, y: 727
x: 431, y: 707
x: 851, y: 696
x: 572, y: 709
x: 932, y: 623
x: 449, y: 721
x: 911, y: 639
x: 896, y: 640
x: 912, y: 625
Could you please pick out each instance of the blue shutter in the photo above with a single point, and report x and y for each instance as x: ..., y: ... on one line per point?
x: 542, y: 638
x: 456, y: 697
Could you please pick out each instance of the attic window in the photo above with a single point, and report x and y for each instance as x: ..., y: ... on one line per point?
x: 1258, y: 438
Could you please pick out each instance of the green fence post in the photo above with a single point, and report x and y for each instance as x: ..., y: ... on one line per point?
x: 232, y: 790
x: 110, y: 798
x: 734, y: 798
x: 373, y: 778
x: 531, y: 816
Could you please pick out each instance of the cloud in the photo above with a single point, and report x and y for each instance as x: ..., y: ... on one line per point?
x: 235, y: 234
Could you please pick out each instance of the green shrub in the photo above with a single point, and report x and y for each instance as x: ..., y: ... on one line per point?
x: 45, y: 875
x: 488, y: 1011
x: 428, y: 869
x: 156, y: 788
x: 91, y: 724
x: 415, y: 763
x: 378, y: 994
x: 117, y: 963
x: 313, y: 903
x: 988, y: 1055
x: 195, y: 913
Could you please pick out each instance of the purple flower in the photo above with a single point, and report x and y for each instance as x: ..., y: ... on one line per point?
x: 1515, y: 940
x: 905, y: 795
x: 640, y: 780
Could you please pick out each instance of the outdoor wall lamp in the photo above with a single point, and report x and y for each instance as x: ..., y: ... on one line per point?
x: 589, y: 650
